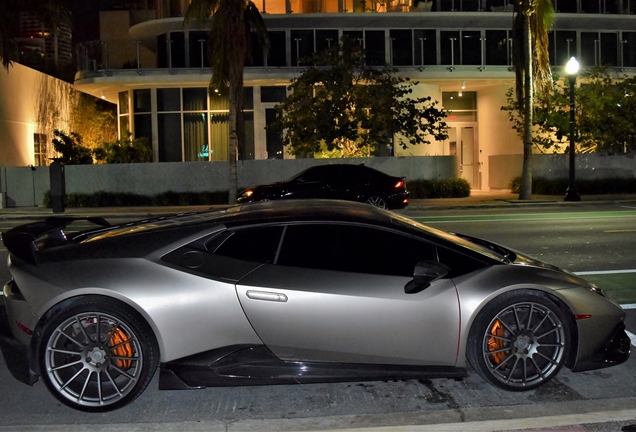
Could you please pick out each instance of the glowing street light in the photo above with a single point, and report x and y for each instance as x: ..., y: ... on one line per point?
x: 571, y: 70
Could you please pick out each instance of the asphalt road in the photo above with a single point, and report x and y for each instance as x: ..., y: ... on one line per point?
x: 596, y: 239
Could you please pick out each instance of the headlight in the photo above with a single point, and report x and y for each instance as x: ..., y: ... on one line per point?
x: 248, y: 193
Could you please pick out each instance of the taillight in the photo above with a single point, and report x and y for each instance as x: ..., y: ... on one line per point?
x: 399, y: 184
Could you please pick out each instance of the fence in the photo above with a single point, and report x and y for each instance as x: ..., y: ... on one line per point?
x: 26, y: 186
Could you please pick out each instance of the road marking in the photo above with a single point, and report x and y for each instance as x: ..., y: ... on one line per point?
x: 525, y: 217
x: 604, y: 272
x: 620, y: 231
x: 628, y: 306
x: 632, y: 337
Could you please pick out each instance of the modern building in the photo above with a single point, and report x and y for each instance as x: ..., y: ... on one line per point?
x: 156, y: 69
x: 44, y: 49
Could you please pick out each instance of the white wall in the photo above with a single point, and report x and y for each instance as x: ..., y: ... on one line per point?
x: 435, y: 148
x: 26, y: 186
x: 496, y: 136
x: 31, y: 102
x: 17, y: 115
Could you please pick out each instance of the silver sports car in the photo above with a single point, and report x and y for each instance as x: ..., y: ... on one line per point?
x: 288, y: 292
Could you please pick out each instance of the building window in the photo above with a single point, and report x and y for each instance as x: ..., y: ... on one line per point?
x: 302, y: 46
x: 461, y: 108
x: 449, y: 46
x: 199, y: 53
x: 375, y: 49
x: 277, y: 55
x: 498, y: 45
x: 562, y: 47
x: 401, y: 47
x: 273, y: 94
x: 629, y: 49
x: 600, y: 49
x: 39, y: 149
x: 168, y: 99
x: 124, y: 115
x: 565, y: 6
x: 425, y: 44
x: 471, y: 48
x: 169, y: 126
x: 142, y: 119
x: 325, y: 39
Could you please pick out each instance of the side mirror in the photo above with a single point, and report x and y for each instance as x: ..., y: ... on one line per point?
x: 424, y: 273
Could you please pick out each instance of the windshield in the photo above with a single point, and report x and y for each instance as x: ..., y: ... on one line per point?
x: 496, y: 252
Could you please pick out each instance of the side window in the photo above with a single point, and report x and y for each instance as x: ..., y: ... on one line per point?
x: 352, y: 248
x: 248, y: 244
x: 315, y: 174
x: 459, y: 264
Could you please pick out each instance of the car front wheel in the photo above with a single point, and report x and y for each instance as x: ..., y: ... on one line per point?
x: 97, y: 355
x: 519, y: 341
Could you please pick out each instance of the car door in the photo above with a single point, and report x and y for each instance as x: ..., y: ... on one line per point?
x: 336, y: 294
x: 310, y: 184
x: 345, y: 182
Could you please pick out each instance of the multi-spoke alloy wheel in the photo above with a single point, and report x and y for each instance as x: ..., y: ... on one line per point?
x: 519, y: 341
x: 97, y: 356
x: 377, y: 201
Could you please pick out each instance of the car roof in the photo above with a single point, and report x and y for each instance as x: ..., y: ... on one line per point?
x: 305, y: 210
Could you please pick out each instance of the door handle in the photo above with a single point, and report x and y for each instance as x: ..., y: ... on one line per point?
x: 267, y: 296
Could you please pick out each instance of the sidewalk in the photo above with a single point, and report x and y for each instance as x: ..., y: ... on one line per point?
x: 477, y: 199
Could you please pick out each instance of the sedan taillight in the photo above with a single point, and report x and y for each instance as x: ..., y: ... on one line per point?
x: 400, y: 184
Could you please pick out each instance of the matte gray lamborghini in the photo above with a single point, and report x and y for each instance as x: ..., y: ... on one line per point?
x: 288, y: 292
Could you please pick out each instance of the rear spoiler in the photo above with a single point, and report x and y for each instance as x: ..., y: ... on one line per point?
x: 22, y: 241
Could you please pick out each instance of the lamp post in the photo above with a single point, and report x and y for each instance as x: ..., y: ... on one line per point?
x: 572, y: 69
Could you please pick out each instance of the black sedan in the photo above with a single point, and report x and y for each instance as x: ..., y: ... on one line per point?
x: 340, y: 181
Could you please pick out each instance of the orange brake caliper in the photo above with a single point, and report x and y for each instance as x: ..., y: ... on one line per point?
x: 120, y: 340
x: 495, y: 343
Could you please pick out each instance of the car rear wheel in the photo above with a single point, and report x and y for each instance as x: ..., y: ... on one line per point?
x: 377, y: 201
x: 519, y: 341
x: 97, y: 355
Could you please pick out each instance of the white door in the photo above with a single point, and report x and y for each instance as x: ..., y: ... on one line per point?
x: 463, y: 144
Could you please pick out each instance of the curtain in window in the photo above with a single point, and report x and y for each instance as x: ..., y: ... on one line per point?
x: 219, y: 136
x: 195, y: 135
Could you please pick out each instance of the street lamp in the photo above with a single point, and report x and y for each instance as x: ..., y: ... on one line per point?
x: 571, y: 70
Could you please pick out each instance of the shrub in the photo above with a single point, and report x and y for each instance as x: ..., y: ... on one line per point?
x: 439, y: 188
x: 544, y: 186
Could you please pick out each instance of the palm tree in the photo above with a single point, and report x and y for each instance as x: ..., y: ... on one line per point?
x: 50, y: 12
x: 533, y: 21
x: 232, y: 24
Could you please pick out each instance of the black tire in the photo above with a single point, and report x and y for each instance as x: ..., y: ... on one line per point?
x: 519, y: 341
x: 377, y: 201
x: 97, y: 368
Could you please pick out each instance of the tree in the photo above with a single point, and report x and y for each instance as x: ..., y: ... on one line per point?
x: 606, y: 114
x: 71, y: 149
x: 345, y: 108
x: 533, y: 19
x: 126, y: 150
x: 94, y: 119
x: 50, y: 12
x: 232, y: 24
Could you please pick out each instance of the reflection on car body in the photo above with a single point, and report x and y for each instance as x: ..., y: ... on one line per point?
x: 289, y: 292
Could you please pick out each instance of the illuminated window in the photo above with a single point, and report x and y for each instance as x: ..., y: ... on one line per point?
x: 39, y: 149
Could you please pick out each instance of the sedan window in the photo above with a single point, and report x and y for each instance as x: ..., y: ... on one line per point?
x: 352, y: 248
x: 249, y: 244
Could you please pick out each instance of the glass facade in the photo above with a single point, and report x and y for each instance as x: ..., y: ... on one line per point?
x: 192, y: 124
